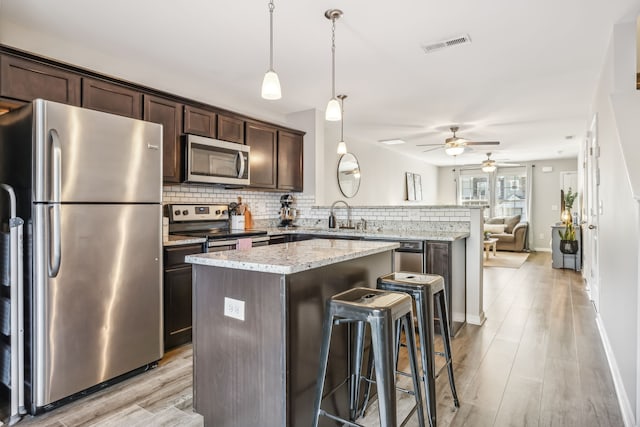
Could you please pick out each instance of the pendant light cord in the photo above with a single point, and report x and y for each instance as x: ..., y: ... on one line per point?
x: 333, y: 57
x: 271, y: 7
x: 342, y: 121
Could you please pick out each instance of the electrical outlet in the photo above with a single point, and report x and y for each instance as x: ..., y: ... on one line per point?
x: 541, y: 236
x: 554, y: 207
x: 234, y: 308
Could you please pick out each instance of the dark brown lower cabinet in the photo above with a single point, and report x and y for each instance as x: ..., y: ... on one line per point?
x: 178, y: 295
x: 448, y: 259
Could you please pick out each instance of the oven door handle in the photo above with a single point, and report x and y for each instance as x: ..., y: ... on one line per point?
x: 260, y: 239
x: 216, y: 243
x: 242, y: 165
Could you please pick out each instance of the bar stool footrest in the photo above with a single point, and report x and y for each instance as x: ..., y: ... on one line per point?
x: 337, y: 418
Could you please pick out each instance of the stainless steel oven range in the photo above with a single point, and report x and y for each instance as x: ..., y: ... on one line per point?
x: 211, y: 221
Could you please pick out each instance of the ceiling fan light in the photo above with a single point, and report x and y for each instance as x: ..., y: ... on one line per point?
x: 342, y: 148
x: 488, y: 168
x: 333, y: 112
x: 455, y: 150
x: 271, y: 86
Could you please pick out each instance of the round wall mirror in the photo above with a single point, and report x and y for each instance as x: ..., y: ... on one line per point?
x: 348, y: 175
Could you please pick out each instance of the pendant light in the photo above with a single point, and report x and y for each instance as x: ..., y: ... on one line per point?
x: 271, y: 82
x: 333, y: 112
x: 342, y: 146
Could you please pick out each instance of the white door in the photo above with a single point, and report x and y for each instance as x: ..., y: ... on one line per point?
x: 592, y: 214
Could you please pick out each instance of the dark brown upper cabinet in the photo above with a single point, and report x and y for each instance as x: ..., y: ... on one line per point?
x: 168, y: 113
x: 263, y: 141
x: 199, y: 122
x: 290, y: 147
x: 230, y: 129
x: 111, y: 98
x: 26, y: 80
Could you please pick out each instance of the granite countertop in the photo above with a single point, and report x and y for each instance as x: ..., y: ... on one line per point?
x: 173, y: 240
x: 447, y: 236
x: 288, y: 258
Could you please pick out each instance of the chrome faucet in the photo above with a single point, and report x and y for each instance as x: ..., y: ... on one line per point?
x: 348, y: 211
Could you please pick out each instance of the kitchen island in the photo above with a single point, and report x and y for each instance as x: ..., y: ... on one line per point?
x: 258, y: 325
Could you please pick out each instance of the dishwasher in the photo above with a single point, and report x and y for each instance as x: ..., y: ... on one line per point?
x: 410, y: 256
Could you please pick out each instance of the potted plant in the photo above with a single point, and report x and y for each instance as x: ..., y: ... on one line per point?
x: 569, y: 198
x: 568, y: 242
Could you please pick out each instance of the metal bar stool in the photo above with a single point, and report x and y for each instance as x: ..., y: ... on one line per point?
x: 424, y: 288
x: 379, y: 309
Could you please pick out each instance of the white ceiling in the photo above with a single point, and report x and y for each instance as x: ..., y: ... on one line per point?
x: 527, y: 78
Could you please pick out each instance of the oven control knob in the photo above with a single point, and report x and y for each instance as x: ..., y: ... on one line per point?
x: 218, y: 212
x: 176, y: 213
x: 185, y: 212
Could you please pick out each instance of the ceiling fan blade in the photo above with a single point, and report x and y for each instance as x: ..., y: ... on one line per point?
x: 429, y: 145
x: 432, y: 149
x: 482, y: 142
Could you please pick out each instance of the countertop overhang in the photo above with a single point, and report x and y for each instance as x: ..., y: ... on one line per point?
x: 373, y: 234
x: 289, y: 258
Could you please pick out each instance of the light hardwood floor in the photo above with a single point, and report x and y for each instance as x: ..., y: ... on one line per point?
x: 537, y: 361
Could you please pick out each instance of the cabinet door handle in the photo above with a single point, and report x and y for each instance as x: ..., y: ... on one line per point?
x: 592, y: 227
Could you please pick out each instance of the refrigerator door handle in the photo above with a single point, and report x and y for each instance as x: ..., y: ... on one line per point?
x: 54, y: 209
x: 54, y: 240
x: 241, y: 170
x: 56, y: 166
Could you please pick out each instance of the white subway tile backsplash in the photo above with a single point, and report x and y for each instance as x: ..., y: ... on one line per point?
x: 265, y: 207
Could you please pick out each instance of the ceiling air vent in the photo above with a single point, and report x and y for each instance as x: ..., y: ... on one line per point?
x: 454, y: 41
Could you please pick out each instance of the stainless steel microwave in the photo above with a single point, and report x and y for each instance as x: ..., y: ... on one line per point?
x: 213, y: 161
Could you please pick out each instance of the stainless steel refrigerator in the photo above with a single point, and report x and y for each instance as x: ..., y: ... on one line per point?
x: 88, y: 186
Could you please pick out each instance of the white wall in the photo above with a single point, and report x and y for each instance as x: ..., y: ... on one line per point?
x: 546, y: 200
x: 383, y: 172
x: 619, y: 222
x: 446, y: 186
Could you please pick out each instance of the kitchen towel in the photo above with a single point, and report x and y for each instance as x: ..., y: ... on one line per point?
x: 244, y: 243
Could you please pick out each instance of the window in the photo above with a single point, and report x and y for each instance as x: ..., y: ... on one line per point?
x: 511, y: 189
x: 474, y: 188
x: 509, y: 197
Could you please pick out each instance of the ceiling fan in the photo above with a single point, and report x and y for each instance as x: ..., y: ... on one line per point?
x: 489, y: 164
x: 455, y: 145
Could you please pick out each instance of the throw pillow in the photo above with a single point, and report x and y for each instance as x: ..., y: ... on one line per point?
x: 510, y: 223
x: 496, y: 220
x: 494, y: 228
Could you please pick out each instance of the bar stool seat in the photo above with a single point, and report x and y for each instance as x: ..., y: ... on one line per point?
x: 424, y: 289
x: 380, y: 310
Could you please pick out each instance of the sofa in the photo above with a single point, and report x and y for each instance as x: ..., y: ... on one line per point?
x: 510, y: 232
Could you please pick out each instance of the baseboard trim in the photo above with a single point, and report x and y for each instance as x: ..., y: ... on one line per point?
x: 623, y: 398
x: 542, y: 249
x: 476, y: 320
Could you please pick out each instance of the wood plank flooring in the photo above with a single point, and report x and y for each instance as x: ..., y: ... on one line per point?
x: 537, y: 361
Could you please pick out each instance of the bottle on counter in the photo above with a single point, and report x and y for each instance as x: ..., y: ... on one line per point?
x: 248, y: 220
